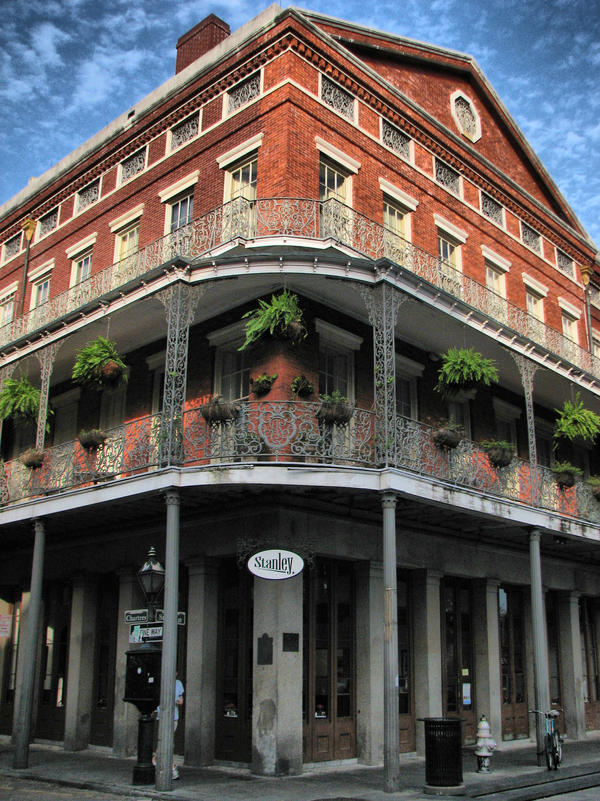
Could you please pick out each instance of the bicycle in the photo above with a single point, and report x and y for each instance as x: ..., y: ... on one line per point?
x: 552, y: 738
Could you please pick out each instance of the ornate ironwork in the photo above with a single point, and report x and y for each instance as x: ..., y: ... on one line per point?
x: 12, y: 246
x: 491, y: 208
x: 46, y: 357
x: 243, y: 92
x: 395, y: 139
x: 531, y: 238
x: 180, y: 301
x: 447, y: 177
x: 88, y: 195
x: 527, y: 370
x: 305, y: 546
x: 339, y: 99
x: 467, y: 119
x: 565, y: 263
x: 133, y: 165
x: 382, y: 304
x: 48, y: 222
x: 185, y: 130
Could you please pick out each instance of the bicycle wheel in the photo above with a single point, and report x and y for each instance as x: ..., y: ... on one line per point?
x: 556, y: 749
x: 548, y: 750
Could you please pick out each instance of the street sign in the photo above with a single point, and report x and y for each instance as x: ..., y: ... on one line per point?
x: 160, y: 616
x: 145, y: 632
x: 136, y: 616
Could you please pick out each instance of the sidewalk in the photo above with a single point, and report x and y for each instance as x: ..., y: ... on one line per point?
x: 96, y: 769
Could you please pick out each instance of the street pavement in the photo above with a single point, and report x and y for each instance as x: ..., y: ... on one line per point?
x: 514, y: 776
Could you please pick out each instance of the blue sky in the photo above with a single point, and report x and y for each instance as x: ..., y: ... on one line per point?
x: 69, y: 67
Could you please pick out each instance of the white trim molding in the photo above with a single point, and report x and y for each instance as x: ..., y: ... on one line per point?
x: 337, y: 336
x: 179, y: 186
x: 408, y: 367
x: 239, y: 151
x: 534, y: 285
x: 397, y: 194
x: 337, y: 155
x: 125, y: 219
x: 44, y: 268
x: 83, y: 244
x: 230, y: 333
x: 571, y: 310
x: 449, y: 228
x: 495, y: 258
x: 9, y: 290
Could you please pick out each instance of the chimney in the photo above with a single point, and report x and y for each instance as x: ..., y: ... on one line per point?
x: 199, y: 40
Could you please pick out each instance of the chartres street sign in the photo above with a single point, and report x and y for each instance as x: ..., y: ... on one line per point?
x: 136, y: 616
x: 275, y: 564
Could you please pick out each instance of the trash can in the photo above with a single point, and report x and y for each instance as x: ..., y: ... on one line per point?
x: 443, y: 754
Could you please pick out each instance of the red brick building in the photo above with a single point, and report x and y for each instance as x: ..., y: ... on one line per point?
x: 382, y: 183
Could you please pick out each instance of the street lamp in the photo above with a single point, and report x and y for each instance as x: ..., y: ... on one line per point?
x: 152, y: 580
x: 142, y: 676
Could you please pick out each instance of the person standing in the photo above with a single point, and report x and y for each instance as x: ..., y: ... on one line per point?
x: 179, y: 690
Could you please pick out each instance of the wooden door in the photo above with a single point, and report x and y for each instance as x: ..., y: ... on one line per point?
x: 53, y: 664
x: 405, y: 668
x: 457, y: 660
x: 329, y: 727
x: 234, y: 665
x: 515, y: 715
x: 101, y: 730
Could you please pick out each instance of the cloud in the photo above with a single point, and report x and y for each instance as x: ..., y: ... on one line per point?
x: 45, y: 40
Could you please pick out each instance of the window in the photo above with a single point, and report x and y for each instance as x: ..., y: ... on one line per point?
x: 339, y: 99
x: 531, y: 238
x: 448, y: 250
x: 40, y: 292
x: 336, y: 359
x: 12, y: 247
x: 332, y: 182
x: 133, y: 165
x: 447, y: 177
x: 185, y: 131
x: 112, y: 408
x: 243, y: 92
x: 156, y: 366
x: 48, y: 223
x: 181, y: 212
x: 397, y: 211
x: 565, y: 263
x: 507, y: 416
x: 496, y: 267
x: 65, y: 408
x: 7, y: 303
x: 242, y: 180
x: 460, y: 413
x: 450, y: 239
x: 394, y: 218
x: 126, y: 229
x: 495, y: 280
x: 535, y: 304
x: 407, y: 374
x: 127, y: 242
x: 82, y: 268
x: 570, y: 317
x: 232, y: 368
x: 491, y: 209
x: 395, y: 139
x: 87, y: 196
x: 535, y: 292
x: 466, y: 117
x: 544, y: 442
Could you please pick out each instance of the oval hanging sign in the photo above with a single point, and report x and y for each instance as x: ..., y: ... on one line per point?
x: 275, y: 564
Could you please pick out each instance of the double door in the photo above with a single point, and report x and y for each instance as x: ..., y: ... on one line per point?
x: 515, y: 715
x: 458, y: 674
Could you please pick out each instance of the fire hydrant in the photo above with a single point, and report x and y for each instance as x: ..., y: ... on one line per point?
x: 485, y: 745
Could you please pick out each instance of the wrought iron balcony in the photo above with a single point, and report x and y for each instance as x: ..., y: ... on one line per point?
x: 303, y: 219
x: 283, y: 432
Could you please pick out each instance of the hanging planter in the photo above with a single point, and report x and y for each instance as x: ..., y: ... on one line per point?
x: 19, y: 400
x: 565, y: 474
x: 218, y: 410
x: 499, y: 452
x: 574, y: 421
x: 448, y: 435
x: 334, y: 409
x: 281, y: 316
x: 463, y: 371
x: 32, y: 458
x: 91, y: 440
x: 302, y: 387
x: 262, y: 384
x: 99, y: 365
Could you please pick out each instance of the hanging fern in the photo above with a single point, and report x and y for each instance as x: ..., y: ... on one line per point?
x: 281, y: 316
x: 574, y: 420
x: 465, y: 368
x: 19, y: 400
x: 98, y: 364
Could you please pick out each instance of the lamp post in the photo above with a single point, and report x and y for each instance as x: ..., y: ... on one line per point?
x: 142, y: 678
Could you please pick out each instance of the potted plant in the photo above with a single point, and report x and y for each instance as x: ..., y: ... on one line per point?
x: 448, y: 434
x: 262, y: 384
x: 218, y: 410
x: 574, y: 421
x: 280, y: 316
x: 98, y: 365
x: 32, y: 458
x: 92, y: 439
x: 565, y: 474
x: 302, y: 387
x: 464, y: 369
x: 19, y: 400
x: 334, y: 409
x: 593, y: 483
x: 499, y: 452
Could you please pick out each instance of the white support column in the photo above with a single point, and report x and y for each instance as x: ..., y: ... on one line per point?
x: 125, y: 718
x: 277, y: 677
x: 80, y: 672
x: 22, y: 724
x: 391, y: 732
x: 428, y: 650
x: 164, y: 752
x: 571, y: 665
x: 486, y: 639
x: 540, y: 644
x: 369, y: 662
x: 201, y: 669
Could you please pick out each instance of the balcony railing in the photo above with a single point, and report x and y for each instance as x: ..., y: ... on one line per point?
x: 308, y: 219
x: 290, y: 433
